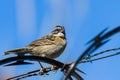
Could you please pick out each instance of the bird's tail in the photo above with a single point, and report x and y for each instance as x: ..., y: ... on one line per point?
x: 20, y: 53
x: 16, y: 51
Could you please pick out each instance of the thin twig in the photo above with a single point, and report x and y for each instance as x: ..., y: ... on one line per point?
x: 29, y: 74
x: 118, y: 53
x: 96, y: 54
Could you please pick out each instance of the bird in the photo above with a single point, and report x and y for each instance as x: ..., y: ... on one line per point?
x: 50, y: 46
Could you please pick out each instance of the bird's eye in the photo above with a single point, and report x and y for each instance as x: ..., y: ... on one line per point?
x: 56, y: 32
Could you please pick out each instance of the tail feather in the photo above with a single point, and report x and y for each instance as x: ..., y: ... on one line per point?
x: 15, y: 51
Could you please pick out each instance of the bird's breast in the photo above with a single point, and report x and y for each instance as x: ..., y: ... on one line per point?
x: 60, y: 41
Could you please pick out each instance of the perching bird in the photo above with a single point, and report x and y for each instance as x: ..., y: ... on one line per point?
x: 50, y: 46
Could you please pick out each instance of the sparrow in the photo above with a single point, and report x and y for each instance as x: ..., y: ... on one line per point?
x: 50, y: 46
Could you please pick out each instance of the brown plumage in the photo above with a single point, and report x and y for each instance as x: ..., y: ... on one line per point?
x: 50, y: 46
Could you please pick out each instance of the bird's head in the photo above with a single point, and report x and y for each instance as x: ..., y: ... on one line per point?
x: 59, y: 31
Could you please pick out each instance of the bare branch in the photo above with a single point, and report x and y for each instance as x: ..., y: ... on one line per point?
x: 118, y: 53
x: 91, y: 56
x: 97, y: 42
x: 32, y: 58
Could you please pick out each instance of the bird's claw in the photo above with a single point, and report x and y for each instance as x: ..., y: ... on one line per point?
x: 43, y: 71
x: 54, y: 68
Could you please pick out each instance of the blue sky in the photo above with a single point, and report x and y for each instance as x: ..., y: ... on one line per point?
x: 22, y: 21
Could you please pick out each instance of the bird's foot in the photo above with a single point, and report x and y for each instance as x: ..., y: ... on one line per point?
x: 43, y: 71
x: 54, y: 68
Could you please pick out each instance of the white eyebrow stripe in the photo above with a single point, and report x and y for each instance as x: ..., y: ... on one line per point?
x: 59, y: 34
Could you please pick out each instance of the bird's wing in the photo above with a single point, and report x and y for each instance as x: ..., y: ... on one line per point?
x: 46, y: 40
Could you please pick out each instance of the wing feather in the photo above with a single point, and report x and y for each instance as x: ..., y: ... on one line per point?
x: 46, y: 40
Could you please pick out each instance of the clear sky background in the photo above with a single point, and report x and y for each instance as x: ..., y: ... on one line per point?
x: 22, y: 21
